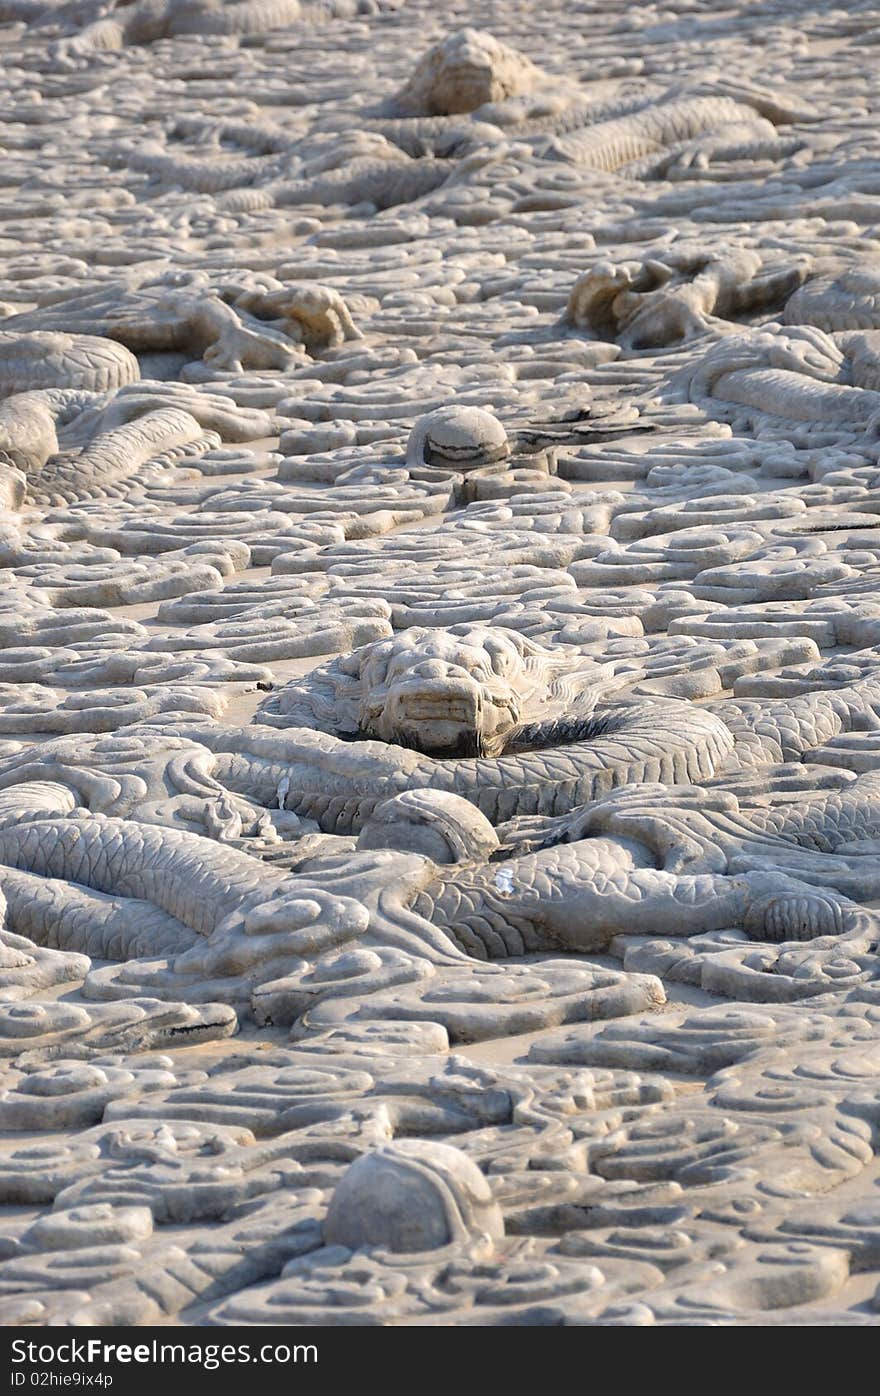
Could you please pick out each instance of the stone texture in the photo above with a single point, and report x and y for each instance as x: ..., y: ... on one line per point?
x: 439, y: 664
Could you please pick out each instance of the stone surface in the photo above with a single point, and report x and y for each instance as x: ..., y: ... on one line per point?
x: 439, y: 664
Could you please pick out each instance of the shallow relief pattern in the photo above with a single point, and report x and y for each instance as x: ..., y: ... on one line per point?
x: 439, y: 664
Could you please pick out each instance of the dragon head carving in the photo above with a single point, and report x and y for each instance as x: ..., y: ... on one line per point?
x: 471, y: 690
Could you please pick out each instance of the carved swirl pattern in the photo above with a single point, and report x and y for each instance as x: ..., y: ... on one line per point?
x: 439, y: 663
